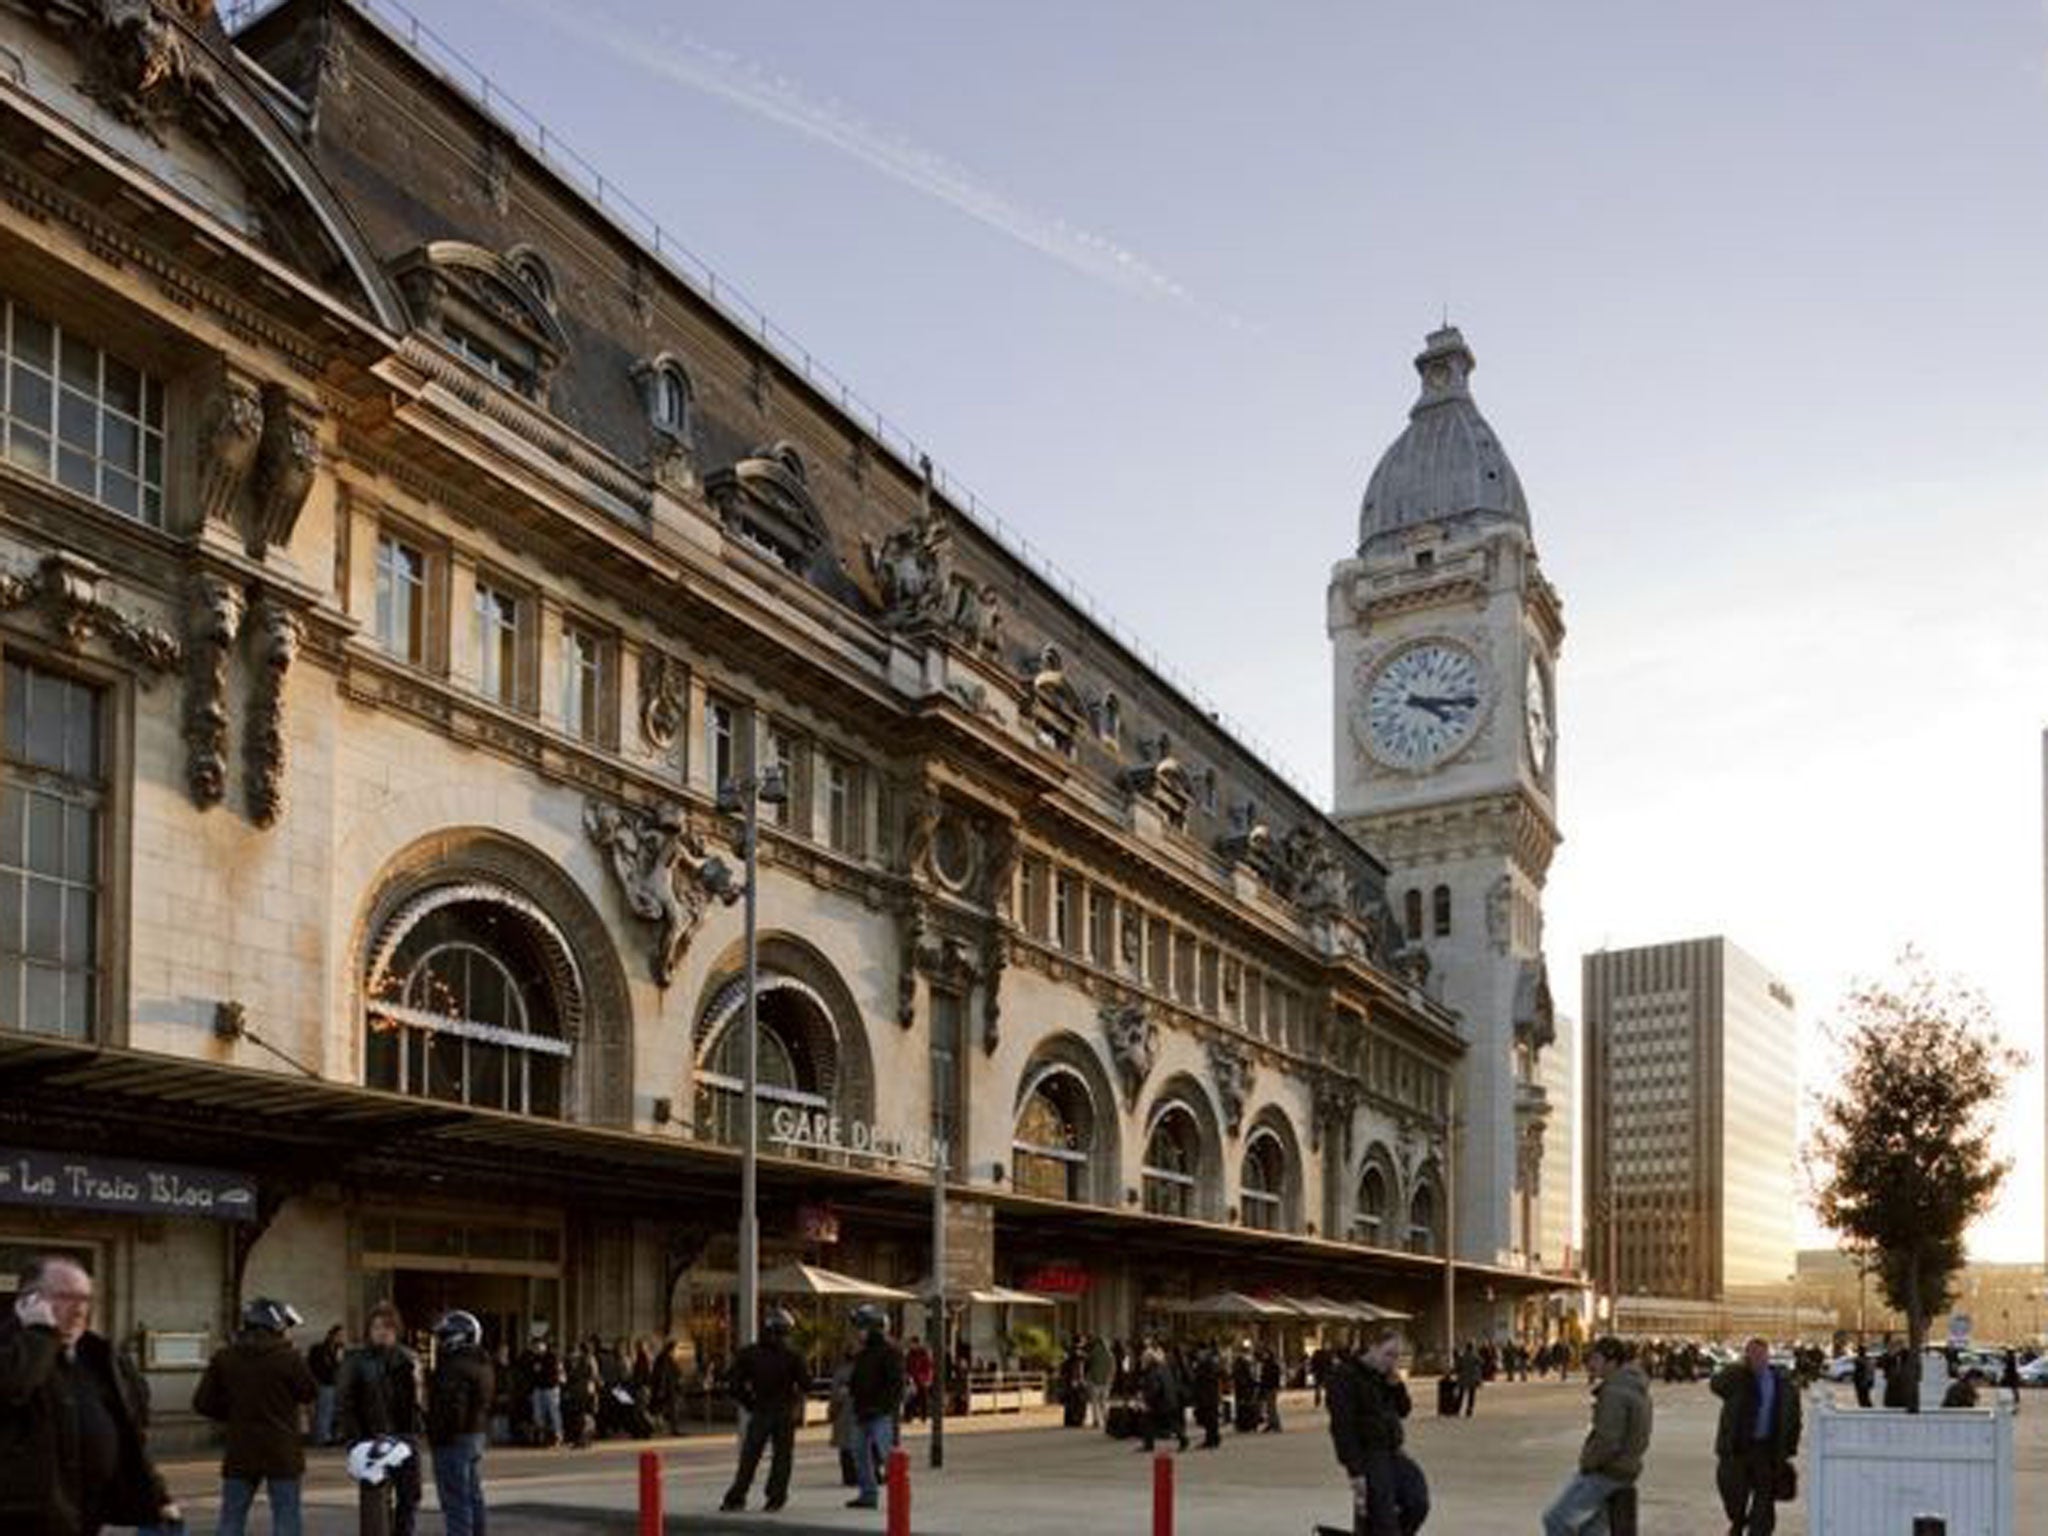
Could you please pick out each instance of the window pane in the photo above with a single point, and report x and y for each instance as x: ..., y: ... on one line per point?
x: 79, y: 987
x: 43, y: 1009
x: 45, y: 744
x: 46, y: 834
x: 33, y: 340
x: 81, y: 732
x: 31, y: 450
x: 45, y: 930
x: 124, y: 388
x: 76, y: 471
x: 28, y: 401
x: 120, y: 492
x: 78, y: 424
x: 79, y: 367
x: 78, y: 924
x: 121, y: 444
x: 487, y: 1076
x: 380, y: 1059
x: 13, y: 824
x: 10, y: 914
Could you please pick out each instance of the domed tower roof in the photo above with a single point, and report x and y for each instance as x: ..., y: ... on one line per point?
x: 1447, y: 464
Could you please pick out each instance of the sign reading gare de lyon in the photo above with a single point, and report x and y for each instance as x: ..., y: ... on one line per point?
x: 820, y: 1130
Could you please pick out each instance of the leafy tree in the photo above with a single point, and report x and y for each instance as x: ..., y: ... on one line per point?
x: 1901, y: 1159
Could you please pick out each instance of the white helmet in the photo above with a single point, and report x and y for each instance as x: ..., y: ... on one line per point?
x: 371, y: 1461
x: 459, y: 1330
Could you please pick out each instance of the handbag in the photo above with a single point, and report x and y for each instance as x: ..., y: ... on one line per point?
x: 1785, y: 1485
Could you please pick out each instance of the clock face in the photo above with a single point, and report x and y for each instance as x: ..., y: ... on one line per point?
x: 1537, y: 725
x: 1423, y: 704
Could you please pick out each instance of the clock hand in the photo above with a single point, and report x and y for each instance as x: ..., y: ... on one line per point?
x: 1438, y: 705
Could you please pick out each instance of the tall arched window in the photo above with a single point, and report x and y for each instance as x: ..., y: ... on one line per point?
x: 1173, y: 1162
x: 470, y: 996
x: 795, y: 1061
x: 1422, y: 1219
x: 1374, y: 1198
x: 1262, y: 1193
x: 1441, y: 901
x: 671, y: 402
x: 1411, y: 915
x: 1054, y: 1135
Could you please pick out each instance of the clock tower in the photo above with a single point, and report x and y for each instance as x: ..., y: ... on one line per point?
x: 1445, y: 636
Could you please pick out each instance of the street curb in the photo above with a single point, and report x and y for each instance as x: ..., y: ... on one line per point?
x: 572, y: 1517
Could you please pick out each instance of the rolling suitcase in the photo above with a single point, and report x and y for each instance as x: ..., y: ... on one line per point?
x: 1447, y: 1396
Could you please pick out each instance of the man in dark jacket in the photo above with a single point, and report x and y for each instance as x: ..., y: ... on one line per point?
x: 1758, y: 1435
x: 256, y: 1388
x: 71, y: 1449
x: 377, y: 1393
x: 1470, y: 1372
x: 1208, y: 1391
x: 1612, y: 1456
x: 1862, y: 1377
x: 459, y: 1397
x: 324, y: 1361
x: 768, y: 1382
x: 877, y: 1393
x: 1159, y: 1386
x: 1367, y: 1401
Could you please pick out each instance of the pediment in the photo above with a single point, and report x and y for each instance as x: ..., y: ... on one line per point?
x: 765, y: 495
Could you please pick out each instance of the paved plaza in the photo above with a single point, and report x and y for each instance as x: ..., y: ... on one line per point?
x: 1492, y: 1473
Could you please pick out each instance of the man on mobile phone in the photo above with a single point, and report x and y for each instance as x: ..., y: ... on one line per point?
x: 71, y: 1452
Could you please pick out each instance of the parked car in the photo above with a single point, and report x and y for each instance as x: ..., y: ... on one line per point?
x: 2035, y: 1372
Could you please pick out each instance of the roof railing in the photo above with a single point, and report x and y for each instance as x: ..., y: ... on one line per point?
x: 444, y: 59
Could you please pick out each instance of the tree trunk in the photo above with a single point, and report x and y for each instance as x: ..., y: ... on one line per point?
x: 1916, y: 1331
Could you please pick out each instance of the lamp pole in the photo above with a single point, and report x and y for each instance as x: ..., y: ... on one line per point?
x: 746, y: 796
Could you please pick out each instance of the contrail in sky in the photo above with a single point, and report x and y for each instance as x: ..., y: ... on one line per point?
x: 777, y: 99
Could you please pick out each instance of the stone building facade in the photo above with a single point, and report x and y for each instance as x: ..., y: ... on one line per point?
x: 396, y: 559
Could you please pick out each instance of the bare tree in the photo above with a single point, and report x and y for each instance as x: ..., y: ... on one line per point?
x: 1901, y: 1159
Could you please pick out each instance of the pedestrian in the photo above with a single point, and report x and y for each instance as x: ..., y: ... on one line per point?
x: 840, y: 1424
x: 256, y: 1387
x: 1756, y: 1440
x: 1962, y: 1392
x: 918, y: 1367
x: 1902, y: 1379
x: 1861, y: 1376
x: 324, y: 1361
x: 1367, y: 1401
x: 1208, y: 1394
x: 876, y: 1392
x: 1612, y: 1457
x: 1244, y: 1392
x: 377, y: 1396
x: 1469, y: 1370
x: 1100, y: 1372
x: 72, y: 1416
x: 459, y: 1394
x: 544, y: 1381
x: 2011, y: 1378
x: 768, y: 1382
x: 665, y: 1392
x: 1162, y: 1404
x: 1269, y: 1392
x: 1320, y: 1359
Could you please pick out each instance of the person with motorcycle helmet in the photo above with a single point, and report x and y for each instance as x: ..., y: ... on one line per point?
x: 877, y: 1392
x: 378, y: 1404
x: 459, y: 1393
x: 256, y: 1388
x: 769, y: 1379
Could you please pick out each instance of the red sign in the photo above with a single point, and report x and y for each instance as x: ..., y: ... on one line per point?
x: 1056, y: 1280
x: 818, y: 1224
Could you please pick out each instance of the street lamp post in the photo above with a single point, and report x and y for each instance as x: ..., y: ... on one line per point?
x: 745, y: 797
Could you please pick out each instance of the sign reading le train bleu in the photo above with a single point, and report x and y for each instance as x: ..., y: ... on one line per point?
x: 109, y: 1184
x: 823, y: 1131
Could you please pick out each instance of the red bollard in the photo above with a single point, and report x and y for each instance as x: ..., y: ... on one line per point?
x: 899, y: 1493
x: 1162, y: 1495
x: 650, y: 1494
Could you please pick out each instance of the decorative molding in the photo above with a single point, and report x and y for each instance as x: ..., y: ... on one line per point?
x: 287, y: 460
x: 230, y: 428
x: 1230, y: 1065
x: 139, y: 65
x: 664, y: 699
x: 278, y: 634
x: 1161, y: 779
x: 663, y: 871
x: 214, y: 607
x: 65, y: 590
x: 1133, y: 1037
x: 1336, y: 1101
x: 1500, y: 898
x: 995, y: 958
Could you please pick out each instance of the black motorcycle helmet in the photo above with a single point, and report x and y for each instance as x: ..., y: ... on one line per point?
x: 269, y: 1315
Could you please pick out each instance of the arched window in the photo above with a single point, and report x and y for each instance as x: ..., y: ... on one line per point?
x: 1422, y: 1218
x: 1173, y: 1162
x: 470, y: 994
x: 794, y: 1060
x: 670, y: 402
x: 1411, y: 915
x: 1054, y: 1135
x: 1374, y: 1199
x: 1440, y: 901
x: 1262, y: 1195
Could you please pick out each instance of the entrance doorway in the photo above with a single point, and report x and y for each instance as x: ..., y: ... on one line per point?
x: 504, y: 1304
x: 506, y: 1271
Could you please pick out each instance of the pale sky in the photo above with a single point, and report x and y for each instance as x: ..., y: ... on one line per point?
x: 1757, y: 294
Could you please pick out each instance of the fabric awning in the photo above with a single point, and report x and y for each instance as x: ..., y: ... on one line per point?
x: 988, y: 1296
x: 1235, y: 1304
x: 810, y: 1280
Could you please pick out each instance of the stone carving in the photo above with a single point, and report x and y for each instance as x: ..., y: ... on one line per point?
x: 664, y: 698
x: 947, y: 959
x: 974, y: 615
x: 1500, y: 898
x: 1336, y: 1098
x: 278, y: 632
x: 1133, y: 1045
x: 672, y: 464
x: 1249, y: 841
x: 999, y: 883
x: 287, y: 459
x: 231, y: 425
x: 1231, y: 1067
x: 1131, y: 942
x: 138, y: 63
x: 1057, y: 710
x: 995, y: 956
x: 916, y: 927
x: 921, y: 813
x: 664, y: 873
x: 213, y: 617
x: 65, y: 589
x: 921, y: 592
x: 1323, y: 885
x: 1161, y: 779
